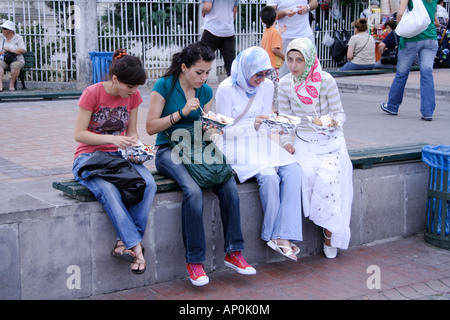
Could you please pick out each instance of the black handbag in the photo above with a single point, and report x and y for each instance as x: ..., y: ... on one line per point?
x: 119, y: 172
x: 338, y: 50
x: 10, y: 57
x: 390, y: 56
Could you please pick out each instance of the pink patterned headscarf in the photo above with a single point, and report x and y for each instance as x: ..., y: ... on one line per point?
x: 306, y: 88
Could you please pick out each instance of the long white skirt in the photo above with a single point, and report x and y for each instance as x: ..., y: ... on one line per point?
x: 327, y: 187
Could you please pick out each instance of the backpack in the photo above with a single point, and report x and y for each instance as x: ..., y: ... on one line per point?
x: 443, y: 54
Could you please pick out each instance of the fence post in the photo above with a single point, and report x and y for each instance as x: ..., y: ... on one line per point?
x: 86, y: 36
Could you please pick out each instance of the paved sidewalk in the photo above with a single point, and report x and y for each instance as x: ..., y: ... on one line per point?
x: 395, y: 269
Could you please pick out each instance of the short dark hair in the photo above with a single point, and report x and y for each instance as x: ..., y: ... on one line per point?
x: 391, y: 23
x: 128, y: 69
x: 268, y: 15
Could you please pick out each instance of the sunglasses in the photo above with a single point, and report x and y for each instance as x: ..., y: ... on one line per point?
x: 262, y: 74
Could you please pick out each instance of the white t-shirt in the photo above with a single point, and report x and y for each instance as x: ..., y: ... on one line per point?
x: 220, y: 20
x: 297, y: 25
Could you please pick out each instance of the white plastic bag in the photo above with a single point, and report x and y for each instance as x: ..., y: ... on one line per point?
x: 328, y: 40
x: 413, y: 22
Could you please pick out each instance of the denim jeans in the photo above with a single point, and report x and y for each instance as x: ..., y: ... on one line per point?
x: 427, y: 51
x: 280, y: 194
x: 129, y: 223
x: 192, y: 209
x: 353, y: 66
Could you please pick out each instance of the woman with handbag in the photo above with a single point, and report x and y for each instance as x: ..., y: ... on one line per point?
x: 318, y: 144
x: 247, y: 96
x: 426, y: 45
x: 106, y: 121
x: 361, y: 48
x: 176, y: 103
x: 12, y: 50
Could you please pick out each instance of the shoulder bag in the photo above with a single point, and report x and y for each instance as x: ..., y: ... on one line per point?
x: 390, y: 56
x: 203, y: 160
x: 413, y: 22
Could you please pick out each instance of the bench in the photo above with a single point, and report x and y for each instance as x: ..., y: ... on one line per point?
x: 29, y: 63
x: 336, y: 73
x: 40, y: 94
x: 361, y: 159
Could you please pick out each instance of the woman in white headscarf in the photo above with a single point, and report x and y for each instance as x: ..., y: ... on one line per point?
x: 318, y: 143
x: 246, y: 96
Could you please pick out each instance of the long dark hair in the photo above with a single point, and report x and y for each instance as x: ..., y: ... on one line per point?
x: 128, y: 69
x: 189, y: 55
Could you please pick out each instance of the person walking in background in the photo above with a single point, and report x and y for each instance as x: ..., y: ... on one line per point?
x: 294, y: 14
x: 11, y: 44
x: 107, y: 120
x: 318, y: 144
x: 176, y: 102
x: 426, y: 45
x: 218, y: 28
x: 361, y: 48
x: 246, y: 96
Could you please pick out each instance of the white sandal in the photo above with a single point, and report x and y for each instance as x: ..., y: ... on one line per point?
x: 328, y: 251
x: 279, y: 249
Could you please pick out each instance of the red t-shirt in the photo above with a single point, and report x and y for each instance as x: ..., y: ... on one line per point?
x: 110, y: 115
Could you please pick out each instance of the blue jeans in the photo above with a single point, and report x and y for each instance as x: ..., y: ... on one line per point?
x: 129, y: 223
x: 427, y: 51
x: 353, y: 66
x: 280, y: 194
x: 192, y: 209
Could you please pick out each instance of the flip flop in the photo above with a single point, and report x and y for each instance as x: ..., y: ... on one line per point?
x: 125, y: 254
x: 279, y: 249
x: 139, y: 261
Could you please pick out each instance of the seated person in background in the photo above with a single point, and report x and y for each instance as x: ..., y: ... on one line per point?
x: 391, y: 40
x: 361, y: 48
x: 11, y: 43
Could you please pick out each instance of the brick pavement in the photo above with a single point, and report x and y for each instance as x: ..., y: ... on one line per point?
x: 409, y: 269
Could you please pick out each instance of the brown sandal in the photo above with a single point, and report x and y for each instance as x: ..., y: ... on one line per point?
x: 124, y: 254
x: 139, y: 261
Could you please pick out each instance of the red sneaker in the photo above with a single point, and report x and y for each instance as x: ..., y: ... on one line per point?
x: 197, y: 274
x: 236, y: 261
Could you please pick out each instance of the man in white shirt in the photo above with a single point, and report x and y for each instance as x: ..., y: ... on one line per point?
x: 218, y: 28
x: 294, y: 14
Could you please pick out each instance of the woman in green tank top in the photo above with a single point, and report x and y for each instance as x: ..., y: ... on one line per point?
x: 425, y: 45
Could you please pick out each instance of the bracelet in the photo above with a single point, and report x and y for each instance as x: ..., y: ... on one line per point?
x: 172, y: 120
x: 181, y: 114
x: 309, y: 8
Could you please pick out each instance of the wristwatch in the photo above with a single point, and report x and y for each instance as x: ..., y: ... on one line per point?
x: 309, y: 8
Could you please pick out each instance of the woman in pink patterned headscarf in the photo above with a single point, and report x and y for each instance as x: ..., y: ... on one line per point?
x: 318, y: 143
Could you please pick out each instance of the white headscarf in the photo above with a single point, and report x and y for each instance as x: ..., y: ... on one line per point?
x: 246, y: 65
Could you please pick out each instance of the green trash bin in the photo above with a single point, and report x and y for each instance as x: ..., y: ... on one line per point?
x: 438, y: 203
x: 101, y: 61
